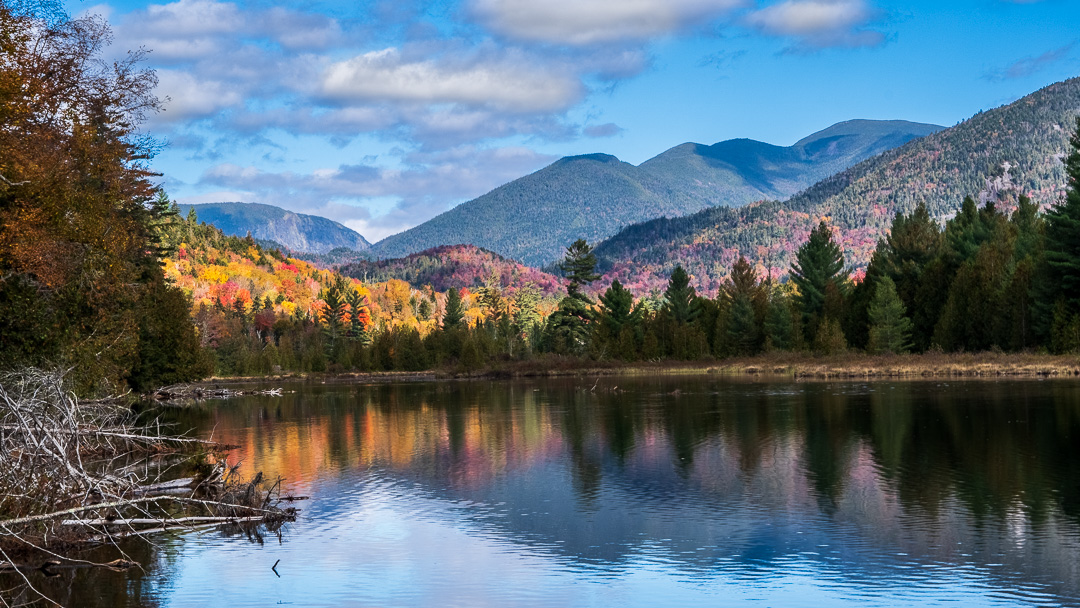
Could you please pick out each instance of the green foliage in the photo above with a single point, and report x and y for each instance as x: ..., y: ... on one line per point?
x: 779, y: 326
x: 937, y: 171
x: 568, y: 327
x: 579, y: 267
x: 742, y: 328
x: 1063, y: 236
x: 617, y: 310
x: 890, y: 328
x: 168, y: 350
x: 818, y: 273
x: 454, y: 315
x: 680, y: 299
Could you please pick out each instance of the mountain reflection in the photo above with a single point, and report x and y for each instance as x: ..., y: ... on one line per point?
x: 859, y: 477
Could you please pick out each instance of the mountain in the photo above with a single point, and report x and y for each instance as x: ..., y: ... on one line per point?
x: 455, y: 267
x: 739, y: 171
x: 295, y: 231
x: 996, y: 154
x: 532, y: 219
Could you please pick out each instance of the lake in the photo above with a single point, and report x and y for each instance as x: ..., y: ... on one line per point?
x: 642, y: 491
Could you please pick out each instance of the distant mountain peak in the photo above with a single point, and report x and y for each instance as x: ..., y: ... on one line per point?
x: 598, y: 157
x: 995, y: 155
x: 296, y: 231
x: 592, y: 196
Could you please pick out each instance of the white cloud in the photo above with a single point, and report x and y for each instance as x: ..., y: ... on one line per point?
x: 188, y: 30
x: 191, y: 98
x: 595, y: 21
x: 818, y: 23
x: 508, y: 84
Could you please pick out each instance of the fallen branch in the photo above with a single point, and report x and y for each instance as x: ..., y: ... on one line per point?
x: 179, y: 521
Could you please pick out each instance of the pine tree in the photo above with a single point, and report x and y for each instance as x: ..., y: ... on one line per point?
x: 742, y: 326
x: 778, y: 325
x: 1062, y: 280
x: 890, y: 328
x: 679, y: 298
x: 819, y: 264
x: 527, y: 308
x: 617, y: 309
x: 454, y: 315
x: 579, y: 266
x: 568, y: 327
x: 332, y: 315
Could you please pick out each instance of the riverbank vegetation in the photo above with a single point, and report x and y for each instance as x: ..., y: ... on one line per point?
x: 99, y: 274
x: 990, y: 280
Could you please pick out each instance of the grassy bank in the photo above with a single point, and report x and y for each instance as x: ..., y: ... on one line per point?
x: 791, y: 365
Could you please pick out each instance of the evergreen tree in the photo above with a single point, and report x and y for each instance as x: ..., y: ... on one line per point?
x: 579, y: 266
x: 742, y: 330
x: 746, y: 301
x: 527, y: 306
x: 454, y: 315
x: 568, y: 327
x: 680, y: 298
x: 819, y: 265
x: 972, y: 316
x: 1062, y: 280
x: 890, y: 329
x: 778, y: 326
x: 332, y: 315
x: 359, y: 318
x: 617, y: 309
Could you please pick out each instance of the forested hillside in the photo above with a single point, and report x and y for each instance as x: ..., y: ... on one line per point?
x: 534, y: 218
x: 257, y: 309
x: 997, y: 154
x: 739, y: 171
x: 295, y: 231
x: 454, y: 267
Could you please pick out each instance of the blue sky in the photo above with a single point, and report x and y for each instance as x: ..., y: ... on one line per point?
x: 381, y: 114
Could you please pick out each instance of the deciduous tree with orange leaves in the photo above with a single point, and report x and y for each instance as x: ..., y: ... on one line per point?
x: 80, y: 247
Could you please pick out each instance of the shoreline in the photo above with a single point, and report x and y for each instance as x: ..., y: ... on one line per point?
x: 773, y: 365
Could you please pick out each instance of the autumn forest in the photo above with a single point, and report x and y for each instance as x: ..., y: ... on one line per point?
x: 101, y: 274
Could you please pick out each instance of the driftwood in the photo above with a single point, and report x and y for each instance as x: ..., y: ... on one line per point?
x: 195, y: 391
x: 179, y: 521
x: 73, y: 473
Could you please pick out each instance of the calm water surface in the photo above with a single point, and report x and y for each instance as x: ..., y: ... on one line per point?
x: 679, y: 491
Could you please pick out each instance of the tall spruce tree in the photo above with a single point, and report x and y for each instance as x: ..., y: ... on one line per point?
x: 817, y: 271
x: 890, y: 328
x: 746, y: 300
x: 568, y: 326
x: 333, y: 314
x: 778, y: 327
x: 742, y: 329
x: 1062, y: 281
x: 617, y: 309
x: 454, y: 315
x: 679, y: 298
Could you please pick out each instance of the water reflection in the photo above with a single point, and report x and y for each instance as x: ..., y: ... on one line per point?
x: 671, y: 490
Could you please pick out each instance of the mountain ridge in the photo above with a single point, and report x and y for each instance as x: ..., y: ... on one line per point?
x: 296, y: 231
x: 994, y: 155
x: 592, y: 196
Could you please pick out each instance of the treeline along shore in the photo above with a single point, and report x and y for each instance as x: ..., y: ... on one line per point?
x: 100, y: 275
x: 1003, y: 277
x: 773, y: 365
